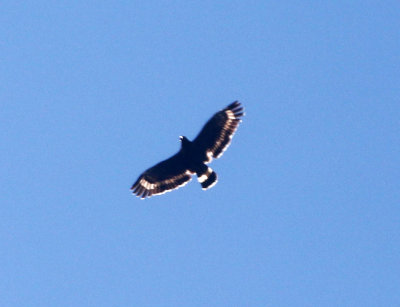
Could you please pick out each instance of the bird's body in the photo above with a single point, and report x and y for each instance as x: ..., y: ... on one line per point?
x: 192, y: 157
x: 195, y: 162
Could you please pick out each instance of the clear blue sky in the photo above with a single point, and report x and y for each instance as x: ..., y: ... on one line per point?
x: 306, y: 211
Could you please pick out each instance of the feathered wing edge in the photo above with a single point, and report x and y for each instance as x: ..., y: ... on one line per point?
x: 143, y: 188
x: 233, y: 113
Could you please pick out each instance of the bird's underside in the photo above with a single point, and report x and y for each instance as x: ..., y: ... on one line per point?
x: 211, y: 142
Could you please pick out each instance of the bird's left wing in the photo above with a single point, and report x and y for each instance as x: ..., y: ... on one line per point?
x: 216, y: 135
x: 165, y: 176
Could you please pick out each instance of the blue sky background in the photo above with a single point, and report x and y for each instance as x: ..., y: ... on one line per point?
x: 307, y: 208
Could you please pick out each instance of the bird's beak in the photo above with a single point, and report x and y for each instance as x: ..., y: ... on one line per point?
x: 181, y: 138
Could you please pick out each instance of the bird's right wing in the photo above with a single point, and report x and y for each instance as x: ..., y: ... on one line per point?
x: 165, y: 176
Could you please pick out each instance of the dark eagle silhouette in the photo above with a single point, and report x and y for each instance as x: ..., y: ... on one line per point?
x: 176, y: 171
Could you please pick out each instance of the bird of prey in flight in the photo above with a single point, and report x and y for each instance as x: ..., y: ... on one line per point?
x: 193, y: 156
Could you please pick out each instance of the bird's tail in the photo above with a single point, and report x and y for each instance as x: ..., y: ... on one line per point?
x: 207, y: 177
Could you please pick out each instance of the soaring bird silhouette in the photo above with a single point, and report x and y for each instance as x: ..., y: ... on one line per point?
x: 193, y: 156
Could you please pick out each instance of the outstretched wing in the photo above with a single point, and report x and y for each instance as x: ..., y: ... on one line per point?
x: 217, y: 133
x: 162, y: 177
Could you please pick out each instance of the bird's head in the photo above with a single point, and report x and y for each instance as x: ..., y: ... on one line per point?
x: 184, y: 140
